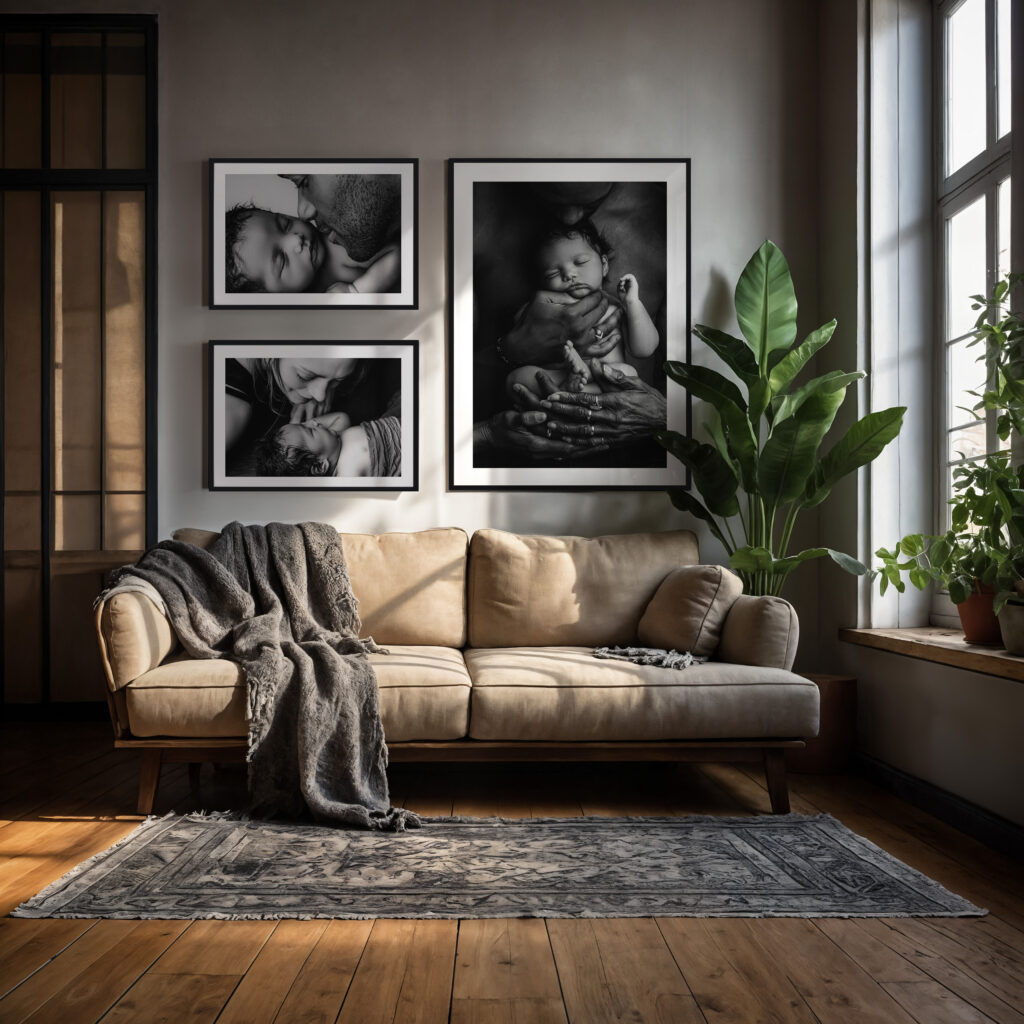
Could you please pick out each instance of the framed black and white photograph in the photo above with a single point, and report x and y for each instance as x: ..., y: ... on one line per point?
x: 313, y: 234
x: 569, y: 287
x: 296, y: 415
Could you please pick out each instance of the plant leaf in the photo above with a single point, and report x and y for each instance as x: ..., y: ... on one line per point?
x: 705, y: 383
x: 785, y: 371
x: 713, y: 425
x: 766, y: 303
x: 831, y: 381
x: 844, y: 561
x: 759, y: 559
x: 857, y: 447
x: 713, y: 476
x: 683, y: 500
x: 732, y: 351
x: 791, y: 453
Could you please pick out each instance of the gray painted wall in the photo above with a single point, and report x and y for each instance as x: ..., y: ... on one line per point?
x: 469, y: 78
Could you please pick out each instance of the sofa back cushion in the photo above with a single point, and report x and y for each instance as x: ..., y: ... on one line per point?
x: 534, y: 591
x: 411, y: 587
x: 688, y: 609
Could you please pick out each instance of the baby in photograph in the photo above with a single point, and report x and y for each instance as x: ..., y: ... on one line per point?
x: 574, y: 262
x: 329, y: 446
x: 272, y: 252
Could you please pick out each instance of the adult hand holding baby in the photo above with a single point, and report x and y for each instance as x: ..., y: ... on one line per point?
x: 523, y: 432
x: 627, y: 410
x: 548, y: 320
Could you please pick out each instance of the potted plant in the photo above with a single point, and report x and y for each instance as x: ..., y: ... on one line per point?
x: 764, y: 466
x: 980, y: 559
x: 968, y: 558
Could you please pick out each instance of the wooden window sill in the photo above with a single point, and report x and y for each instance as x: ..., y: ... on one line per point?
x: 943, y: 646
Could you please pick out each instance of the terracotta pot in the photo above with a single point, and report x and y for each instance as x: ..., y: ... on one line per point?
x: 979, y: 622
x: 1011, y: 626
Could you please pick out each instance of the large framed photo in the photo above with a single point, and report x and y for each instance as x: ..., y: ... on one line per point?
x: 569, y: 287
x: 309, y: 416
x: 313, y: 234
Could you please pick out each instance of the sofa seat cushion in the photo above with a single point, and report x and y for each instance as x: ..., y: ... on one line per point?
x: 566, y: 694
x: 424, y: 695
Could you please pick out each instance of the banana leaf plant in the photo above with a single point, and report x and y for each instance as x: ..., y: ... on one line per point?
x: 764, y: 466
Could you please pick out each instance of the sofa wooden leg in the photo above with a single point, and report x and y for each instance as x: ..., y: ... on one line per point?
x: 775, y: 777
x: 149, y: 779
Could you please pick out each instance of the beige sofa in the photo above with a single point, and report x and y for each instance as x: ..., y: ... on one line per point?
x: 490, y: 644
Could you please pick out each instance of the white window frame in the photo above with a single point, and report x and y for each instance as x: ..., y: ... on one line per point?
x: 979, y: 177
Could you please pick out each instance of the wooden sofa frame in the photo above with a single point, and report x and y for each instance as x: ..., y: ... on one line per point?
x: 772, y: 753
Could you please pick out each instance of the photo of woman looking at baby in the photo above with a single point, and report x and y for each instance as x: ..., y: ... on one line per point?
x: 285, y: 420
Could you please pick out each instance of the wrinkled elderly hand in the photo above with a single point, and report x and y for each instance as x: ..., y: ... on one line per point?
x: 627, y: 410
x: 527, y: 432
x: 550, y: 319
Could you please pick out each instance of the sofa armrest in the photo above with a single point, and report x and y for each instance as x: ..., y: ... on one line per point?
x: 760, y: 631
x: 134, y: 637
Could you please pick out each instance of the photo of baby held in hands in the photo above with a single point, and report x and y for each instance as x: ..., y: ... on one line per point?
x: 574, y: 264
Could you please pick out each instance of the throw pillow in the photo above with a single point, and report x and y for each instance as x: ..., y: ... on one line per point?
x: 689, y: 608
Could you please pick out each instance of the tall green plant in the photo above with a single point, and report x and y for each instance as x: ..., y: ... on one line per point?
x: 763, y: 467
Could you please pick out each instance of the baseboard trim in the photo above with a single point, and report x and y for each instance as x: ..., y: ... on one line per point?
x: 56, y: 711
x: 991, y: 829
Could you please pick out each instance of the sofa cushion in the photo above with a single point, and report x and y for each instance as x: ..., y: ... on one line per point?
x: 538, y: 591
x: 760, y: 631
x: 688, y: 609
x: 565, y: 694
x: 424, y: 695
x: 411, y: 587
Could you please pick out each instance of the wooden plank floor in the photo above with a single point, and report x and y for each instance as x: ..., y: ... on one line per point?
x: 64, y: 795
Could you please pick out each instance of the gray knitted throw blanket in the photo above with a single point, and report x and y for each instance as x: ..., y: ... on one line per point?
x: 277, y: 600
x: 650, y: 656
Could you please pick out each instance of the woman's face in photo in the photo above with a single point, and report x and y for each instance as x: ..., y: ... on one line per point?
x: 303, y: 380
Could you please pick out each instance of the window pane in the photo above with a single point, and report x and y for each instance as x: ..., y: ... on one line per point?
x: 124, y: 302
x: 23, y: 100
x: 965, y: 84
x: 124, y: 522
x: 77, y: 396
x: 1003, y: 58
x: 126, y: 99
x: 964, y: 374
x: 76, y: 522
x: 1005, y: 254
x: 22, y: 354
x: 965, y: 266
x: 76, y: 100
x: 968, y: 443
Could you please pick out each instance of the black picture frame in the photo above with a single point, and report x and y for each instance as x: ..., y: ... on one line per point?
x: 388, y: 279
x: 501, y: 214
x: 374, y: 384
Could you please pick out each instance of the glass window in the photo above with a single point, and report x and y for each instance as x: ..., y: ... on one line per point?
x: 974, y: 202
x: 1003, y: 62
x: 965, y: 84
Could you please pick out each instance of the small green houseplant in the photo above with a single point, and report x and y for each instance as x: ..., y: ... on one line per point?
x: 764, y: 466
x: 983, y: 551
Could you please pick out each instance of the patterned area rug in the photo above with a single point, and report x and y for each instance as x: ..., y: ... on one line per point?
x: 220, y: 866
